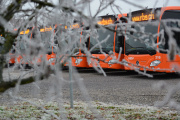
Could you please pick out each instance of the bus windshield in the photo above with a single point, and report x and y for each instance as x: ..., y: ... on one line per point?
x: 46, y: 37
x: 141, y: 38
x: 21, y: 42
x: 106, y: 46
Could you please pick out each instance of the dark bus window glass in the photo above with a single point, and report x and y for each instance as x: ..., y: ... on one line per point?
x: 171, y: 19
x: 21, y: 42
x: 100, y: 36
x: 171, y: 14
x: 46, y: 38
x: 140, y: 42
x: 75, y: 38
x: 85, y: 38
x: 119, y: 43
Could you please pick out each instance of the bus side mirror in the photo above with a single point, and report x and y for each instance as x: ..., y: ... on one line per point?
x: 131, y: 32
x: 55, y: 42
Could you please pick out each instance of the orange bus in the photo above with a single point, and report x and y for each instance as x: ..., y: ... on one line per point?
x: 48, y: 39
x: 154, y: 35
x: 21, y: 45
x: 108, y: 54
x: 10, y: 58
x: 46, y: 34
x: 78, y: 58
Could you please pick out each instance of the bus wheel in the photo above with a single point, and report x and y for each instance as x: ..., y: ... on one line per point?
x: 27, y: 66
x: 64, y: 67
x: 8, y: 65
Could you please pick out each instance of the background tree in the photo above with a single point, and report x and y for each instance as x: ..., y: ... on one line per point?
x: 41, y: 13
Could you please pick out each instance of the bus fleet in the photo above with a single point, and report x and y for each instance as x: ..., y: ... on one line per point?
x: 145, y: 40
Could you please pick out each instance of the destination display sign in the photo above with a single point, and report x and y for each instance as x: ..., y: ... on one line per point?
x: 46, y: 29
x: 24, y: 32
x: 106, y: 20
x: 144, y: 15
x: 73, y: 26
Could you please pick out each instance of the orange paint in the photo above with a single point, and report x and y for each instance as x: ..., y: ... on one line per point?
x: 104, y: 60
x: 143, y: 61
x: 20, y: 58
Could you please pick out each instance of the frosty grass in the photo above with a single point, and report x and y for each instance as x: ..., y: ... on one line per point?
x: 81, y: 111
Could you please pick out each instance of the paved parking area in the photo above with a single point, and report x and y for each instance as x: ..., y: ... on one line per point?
x: 117, y: 87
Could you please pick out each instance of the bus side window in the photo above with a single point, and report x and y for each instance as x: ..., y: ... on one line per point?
x: 119, y: 43
x: 33, y: 35
x: 29, y: 35
x: 131, y: 32
x: 87, y: 43
x: 166, y: 41
x: 168, y: 15
x: 13, y: 49
x: 176, y: 36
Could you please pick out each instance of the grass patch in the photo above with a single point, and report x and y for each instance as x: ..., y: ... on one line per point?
x: 51, y: 110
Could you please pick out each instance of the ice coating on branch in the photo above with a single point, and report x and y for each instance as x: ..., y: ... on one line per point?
x: 64, y: 40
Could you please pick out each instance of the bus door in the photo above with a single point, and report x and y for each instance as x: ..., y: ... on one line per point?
x: 22, y: 45
x: 47, y: 38
x: 146, y: 45
x: 105, y: 53
x: 119, y: 43
x: 79, y: 59
x: 79, y: 45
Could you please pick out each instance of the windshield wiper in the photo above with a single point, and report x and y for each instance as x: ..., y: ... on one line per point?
x: 128, y: 52
x: 99, y: 52
x: 149, y: 51
x: 140, y: 51
x: 144, y: 48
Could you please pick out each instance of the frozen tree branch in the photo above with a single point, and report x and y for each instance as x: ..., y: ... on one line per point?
x: 5, y: 85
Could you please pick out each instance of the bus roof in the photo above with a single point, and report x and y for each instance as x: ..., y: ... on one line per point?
x: 150, y: 14
x: 122, y: 15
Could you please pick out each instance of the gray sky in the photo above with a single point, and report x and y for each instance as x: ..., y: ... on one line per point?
x: 125, y: 7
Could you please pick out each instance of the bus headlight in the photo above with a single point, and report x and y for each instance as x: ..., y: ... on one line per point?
x: 51, y: 60
x: 78, y: 61
x: 155, y: 63
x: 112, y: 61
